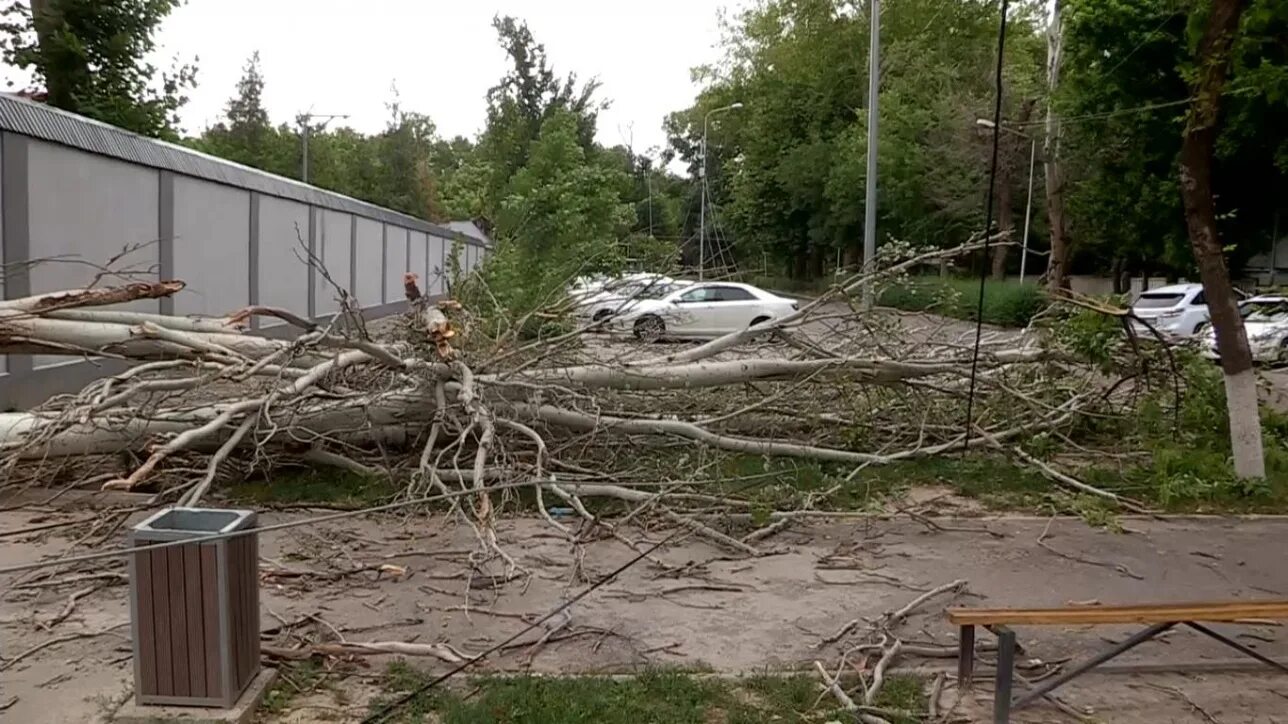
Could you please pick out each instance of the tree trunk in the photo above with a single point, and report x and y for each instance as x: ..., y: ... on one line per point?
x: 1005, y: 220
x: 1198, y: 144
x: 60, y: 66
x: 1058, y: 266
x: 800, y: 264
x: 1116, y: 274
x: 853, y: 256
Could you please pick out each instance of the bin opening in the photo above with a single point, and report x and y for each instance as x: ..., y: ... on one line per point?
x: 198, y: 521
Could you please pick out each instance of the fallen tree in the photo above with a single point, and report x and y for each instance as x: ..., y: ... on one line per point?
x: 430, y: 401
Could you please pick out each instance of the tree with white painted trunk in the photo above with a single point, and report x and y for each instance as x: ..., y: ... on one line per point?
x: 1212, y: 61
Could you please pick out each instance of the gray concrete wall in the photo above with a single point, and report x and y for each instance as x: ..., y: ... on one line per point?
x: 336, y: 244
x: 83, y: 211
x: 232, y: 243
x: 211, y: 247
x: 395, y: 244
x: 437, y: 284
x: 368, y: 262
x: 4, y: 359
x: 282, y: 278
x: 419, y: 258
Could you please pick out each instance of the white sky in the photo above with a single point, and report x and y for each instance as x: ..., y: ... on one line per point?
x: 340, y: 56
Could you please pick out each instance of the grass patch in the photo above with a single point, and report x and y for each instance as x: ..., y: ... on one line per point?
x: 293, y: 679
x: 995, y: 481
x: 653, y: 697
x: 327, y: 486
x: 794, y: 286
x: 1006, y: 303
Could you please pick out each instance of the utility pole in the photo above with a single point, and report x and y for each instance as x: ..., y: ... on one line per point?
x: 870, y: 200
x: 702, y: 177
x: 1028, y: 205
x: 1028, y: 208
x: 303, y: 119
x: 648, y: 178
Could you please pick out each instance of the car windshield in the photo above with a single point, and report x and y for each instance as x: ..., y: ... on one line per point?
x: 1158, y: 300
x: 1276, y: 311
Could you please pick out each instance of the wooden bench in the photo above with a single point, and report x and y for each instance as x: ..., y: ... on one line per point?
x: 1158, y: 617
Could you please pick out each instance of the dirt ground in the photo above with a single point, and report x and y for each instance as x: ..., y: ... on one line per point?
x: 706, y: 608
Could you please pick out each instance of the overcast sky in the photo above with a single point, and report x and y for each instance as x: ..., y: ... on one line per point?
x: 335, y: 56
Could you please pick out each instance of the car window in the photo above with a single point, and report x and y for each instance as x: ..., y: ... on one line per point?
x: 1157, y: 300
x: 1265, y: 311
x: 732, y: 294
x: 1198, y: 300
x: 657, y: 291
x: 701, y: 294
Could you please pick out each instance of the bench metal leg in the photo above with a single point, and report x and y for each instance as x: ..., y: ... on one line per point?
x: 1005, y: 674
x: 965, y: 657
x: 1236, y: 646
x: 1131, y: 643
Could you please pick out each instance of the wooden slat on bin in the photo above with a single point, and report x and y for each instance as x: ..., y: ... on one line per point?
x: 210, y: 615
x: 161, y: 621
x: 145, y: 630
x: 248, y: 614
x: 234, y: 611
x: 178, y: 622
x: 252, y: 572
x: 195, y: 634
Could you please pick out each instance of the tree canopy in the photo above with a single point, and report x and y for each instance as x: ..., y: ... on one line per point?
x: 90, y: 57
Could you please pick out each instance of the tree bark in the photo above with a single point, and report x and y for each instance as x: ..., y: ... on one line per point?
x: 1197, y: 150
x: 1005, y: 220
x: 1058, y: 266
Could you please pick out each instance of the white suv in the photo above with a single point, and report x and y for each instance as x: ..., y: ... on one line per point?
x: 1179, y: 310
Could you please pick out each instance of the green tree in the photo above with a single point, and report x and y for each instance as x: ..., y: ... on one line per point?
x: 519, y: 105
x: 89, y: 57
x: 405, y: 151
x: 1128, y: 74
x: 561, y: 216
x: 246, y: 135
x: 787, y: 171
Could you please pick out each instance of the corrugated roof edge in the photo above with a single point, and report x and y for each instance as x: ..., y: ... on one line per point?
x: 39, y: 121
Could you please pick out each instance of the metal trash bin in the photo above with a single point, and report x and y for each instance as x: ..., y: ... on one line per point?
x: 194, y: 608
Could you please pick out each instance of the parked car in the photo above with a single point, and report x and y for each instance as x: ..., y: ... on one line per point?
x: 1265, y: 321
x: 1179, y: 310
x: 701, y: 310
x: 596, y: 305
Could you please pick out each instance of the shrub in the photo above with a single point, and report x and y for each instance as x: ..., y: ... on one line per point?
x: 1006, y: 303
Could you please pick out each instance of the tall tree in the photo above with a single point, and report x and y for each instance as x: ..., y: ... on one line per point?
x: 245, y: 135
x: 406, y: 148
x: 1126, y: 82
x: 526, y: 96
x: 787, y: 171
x: 1198, y: 147
x: 247, y: 118
x: 1058, y: 266
x: 90, y: 57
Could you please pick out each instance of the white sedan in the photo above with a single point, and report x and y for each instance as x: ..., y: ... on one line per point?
x: 703, y: 310
x: 615, y: 295
x: 1265, y: 321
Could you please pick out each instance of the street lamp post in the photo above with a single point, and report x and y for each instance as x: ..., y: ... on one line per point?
x: 702, y: 174
x: 870, y: 182
x: 303, y: 119
x: 1028, y: 205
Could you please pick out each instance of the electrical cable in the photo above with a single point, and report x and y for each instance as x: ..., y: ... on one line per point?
x: 988, y: 229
